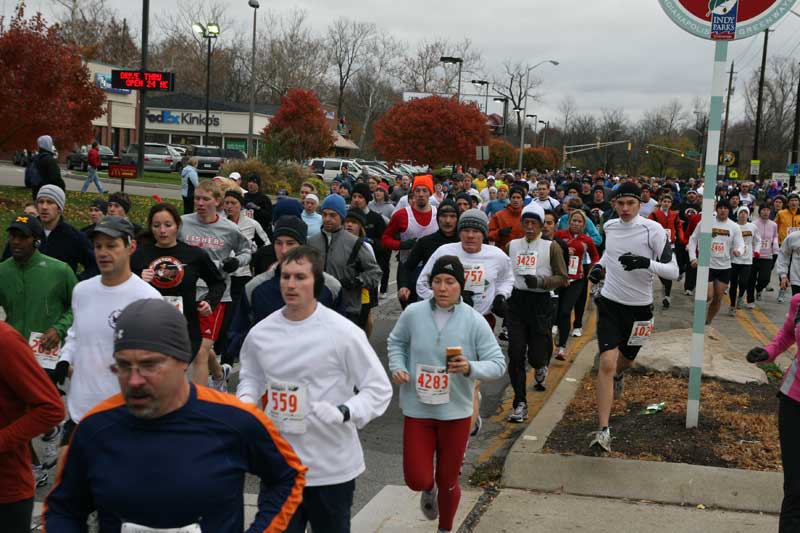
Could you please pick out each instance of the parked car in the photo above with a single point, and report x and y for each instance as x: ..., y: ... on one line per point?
x: 210, y: 158
x: 231, y: 154
x: 178, y: 148
x: 156, y: 157
x: 177, y: 157
x: 80, y: 158
x: 328, y: 168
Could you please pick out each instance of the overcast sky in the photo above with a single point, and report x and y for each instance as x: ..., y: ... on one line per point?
x: 612, y: 53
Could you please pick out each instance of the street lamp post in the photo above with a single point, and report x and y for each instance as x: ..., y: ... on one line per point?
x: 460, y: 62
x: 525, y: 104
x: 486, y: 84
x: 208, y: 32
x: 535, y: 134
x: 254, y: 4
x: 544, y: 137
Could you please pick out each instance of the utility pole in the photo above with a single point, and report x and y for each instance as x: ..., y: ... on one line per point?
x: 795, y: 135
x: 725, y: 125
x: 142, y: 96
x: 760, y: 104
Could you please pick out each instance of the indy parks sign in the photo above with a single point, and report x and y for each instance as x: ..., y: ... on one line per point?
x: 726, y: 19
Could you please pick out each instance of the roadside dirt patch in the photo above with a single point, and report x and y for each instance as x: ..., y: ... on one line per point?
x: 738, y: 423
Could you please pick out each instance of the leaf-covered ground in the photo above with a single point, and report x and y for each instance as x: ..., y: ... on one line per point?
x: 738, y: 425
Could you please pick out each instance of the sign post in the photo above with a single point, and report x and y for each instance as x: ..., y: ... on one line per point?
x: 720, y: 21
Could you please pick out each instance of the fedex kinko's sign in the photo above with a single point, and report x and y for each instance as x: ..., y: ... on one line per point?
x: 726, y: 19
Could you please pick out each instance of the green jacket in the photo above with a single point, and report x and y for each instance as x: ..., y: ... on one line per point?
x: 37, y: 296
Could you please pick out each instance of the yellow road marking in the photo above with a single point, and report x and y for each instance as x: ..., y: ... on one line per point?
x: 767, y: 323
x: 750, y: 328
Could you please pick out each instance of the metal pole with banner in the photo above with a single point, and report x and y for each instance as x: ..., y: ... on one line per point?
x: 720, y: 21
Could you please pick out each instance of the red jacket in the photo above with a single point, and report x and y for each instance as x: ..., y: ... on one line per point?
x: 672, y: 223
x: 507, y: 218
x: 577, y: 245
x: 94, y: 158
x: 30, y: 406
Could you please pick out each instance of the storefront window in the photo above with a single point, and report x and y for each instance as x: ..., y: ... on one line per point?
x: 234, y: 143
x: 180, y: 138
x: 213, y: 141
x: 156, y: 137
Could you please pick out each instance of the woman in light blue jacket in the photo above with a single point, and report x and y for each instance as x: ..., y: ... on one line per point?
x: 437, y: 350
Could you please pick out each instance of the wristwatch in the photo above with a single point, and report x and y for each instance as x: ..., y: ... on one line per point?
x: 345, y: 411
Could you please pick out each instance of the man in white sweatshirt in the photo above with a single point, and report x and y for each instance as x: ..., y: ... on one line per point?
x: 726, y: 242
x: 315, y: 359
x: 96, y: 304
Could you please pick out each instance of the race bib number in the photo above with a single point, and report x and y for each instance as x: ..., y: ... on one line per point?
x: 789, y: 231
x: 574, y: 263
x: 525, y: 264
x: 130, y: 527
x: 474, y: 278
x: 177, y: 301
x: 765, y: 244
x: 47, y: 358
x: 287, y: 406
x: 248, y: 213
x: 640, y: 332
x: 718, y: 249
x: 433, y: 384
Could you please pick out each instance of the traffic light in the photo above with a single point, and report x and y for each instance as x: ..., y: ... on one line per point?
x: 630, y: 146
x: 647, y: 149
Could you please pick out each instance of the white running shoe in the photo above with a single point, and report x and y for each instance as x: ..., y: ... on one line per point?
x: 781, y: 296
x: 561, y: 353
x: 687, y: 292
x: 428, y: 503
x: 577, y: 332
x: 740, y: 302
x: 520, y: 413
x: 602, y: 438
x: 39, y: 476
x: 51, y: 441
x: 751, y: 305
x: 221, y: 384
x: 758, y: 296
x: 732, y: 311
x: 554, y: 331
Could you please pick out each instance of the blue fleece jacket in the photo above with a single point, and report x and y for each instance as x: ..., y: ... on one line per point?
x: 416, y: 339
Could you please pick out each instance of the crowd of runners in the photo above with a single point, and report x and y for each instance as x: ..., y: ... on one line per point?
x: 115, y: 316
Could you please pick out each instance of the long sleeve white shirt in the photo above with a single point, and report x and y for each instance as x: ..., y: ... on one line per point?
x: 89, y: 347
x: 752, y: 242
x: 488, y: 273
x: 329, y: 355
x: 725, y: 238
x: 644, y: 237
x: 789, y: 258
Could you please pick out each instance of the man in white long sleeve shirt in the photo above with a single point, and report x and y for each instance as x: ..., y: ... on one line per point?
x: 96, y: 304
x: 726, y: 242
x: 308, y: 359
x: 637, y: 249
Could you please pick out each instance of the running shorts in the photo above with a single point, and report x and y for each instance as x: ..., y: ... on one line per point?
x: 615, y: 323
x: 721, y: 276
x: 211, y: 325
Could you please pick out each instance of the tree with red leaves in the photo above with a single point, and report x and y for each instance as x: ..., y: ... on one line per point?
x: 299, y: 129
x: 46, y: 89
x: 432, y: 130
x: 541, y: 158
x: 502, y: 154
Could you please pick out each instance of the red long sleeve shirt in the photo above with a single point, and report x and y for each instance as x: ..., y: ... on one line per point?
x: 577, y: 245
x: 29, y: 406
x: 399, y: 223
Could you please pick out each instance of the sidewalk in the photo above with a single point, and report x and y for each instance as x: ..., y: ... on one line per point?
x: 518, y: 510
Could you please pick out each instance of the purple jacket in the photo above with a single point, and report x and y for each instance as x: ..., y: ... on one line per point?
x: 789, y: 334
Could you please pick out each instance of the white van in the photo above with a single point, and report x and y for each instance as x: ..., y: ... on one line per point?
x: 328, y: 168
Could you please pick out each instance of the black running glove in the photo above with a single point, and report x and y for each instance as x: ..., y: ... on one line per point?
x: 230, y: 264
x: 505, y: 232
x: 633, y: 262
x: 59, y: 373
x: 499, y: 306
x: 596, y: 274
x: 757, y: 355
x: 534, y: 282
x: 407, y: 244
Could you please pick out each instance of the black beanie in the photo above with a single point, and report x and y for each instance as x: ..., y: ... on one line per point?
x: 628, y: 189
x: 154, y: 325
x: 363, y: 190
x: 235, y: 194
x: 447, y: 206
x: 290, y: 226
x: 100, y: 204
x: 448, y: 264
x: 358, y: 215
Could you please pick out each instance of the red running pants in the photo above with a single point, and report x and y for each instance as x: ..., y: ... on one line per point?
x: 422, y: 437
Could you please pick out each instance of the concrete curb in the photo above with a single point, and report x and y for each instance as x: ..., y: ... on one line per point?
x: 673, y: 483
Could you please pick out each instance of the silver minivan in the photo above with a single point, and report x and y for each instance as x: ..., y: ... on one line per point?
x: 157, y: 157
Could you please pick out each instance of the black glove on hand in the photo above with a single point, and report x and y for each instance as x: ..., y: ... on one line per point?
x: 251, y: 205
x: 467, y: 297
x: 596, y: 274
x: 633, y: 262
x: 230, y: 264
x: 505, y: 232
x: 757, y: 355
x: 499, y: 306
x: 59, y: 373
x: 534, y: 282
x: 407, y: 244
